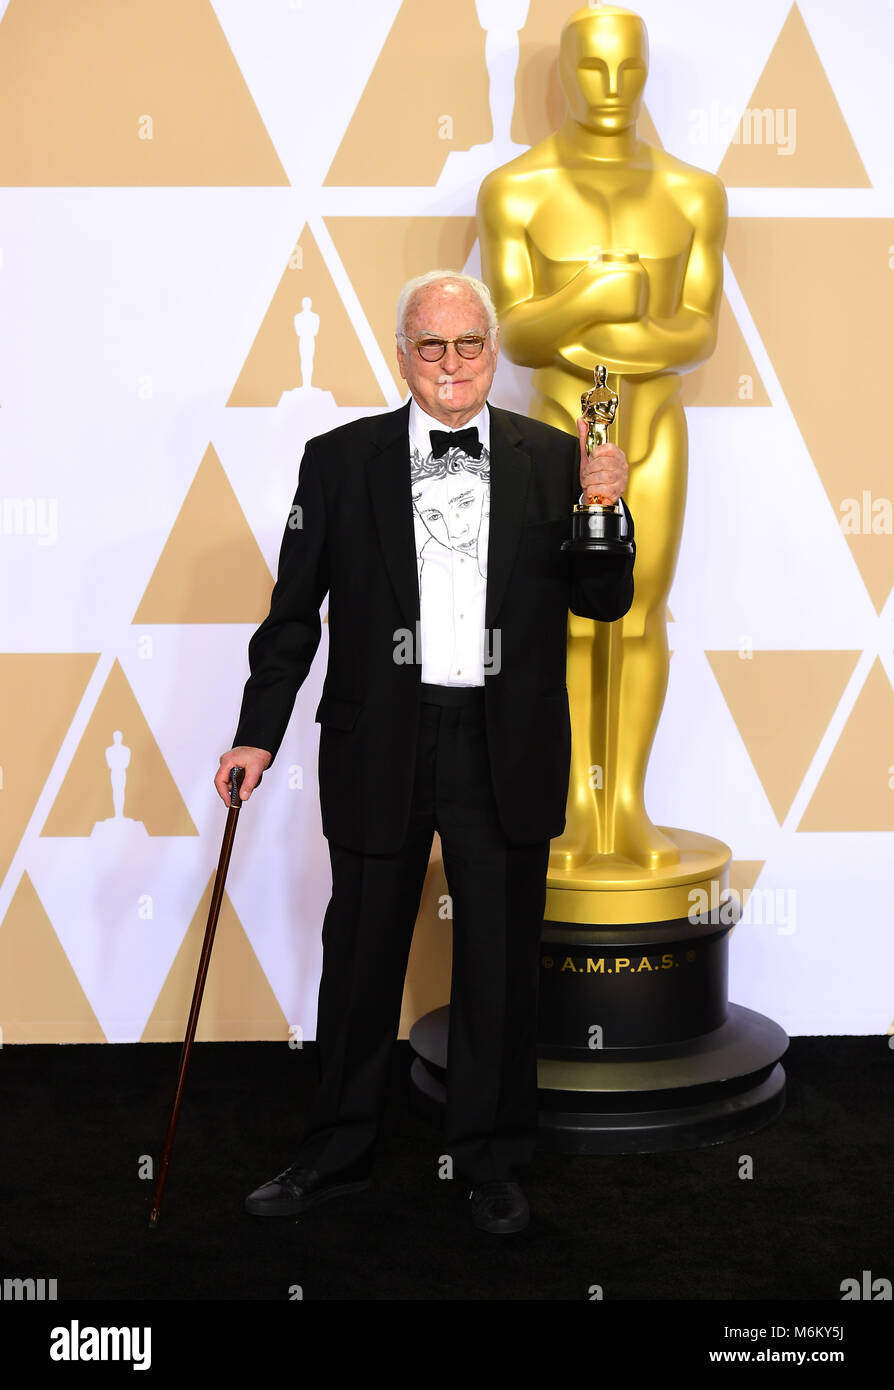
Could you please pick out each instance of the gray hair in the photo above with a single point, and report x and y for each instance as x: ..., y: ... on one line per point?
x: 431, y: 277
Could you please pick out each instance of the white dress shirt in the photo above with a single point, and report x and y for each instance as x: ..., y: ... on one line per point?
x: 452, y: 521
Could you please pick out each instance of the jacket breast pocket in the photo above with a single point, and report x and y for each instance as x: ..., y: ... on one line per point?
x: 337, y: 714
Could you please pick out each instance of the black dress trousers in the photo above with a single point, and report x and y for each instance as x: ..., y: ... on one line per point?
x: 498, y: 894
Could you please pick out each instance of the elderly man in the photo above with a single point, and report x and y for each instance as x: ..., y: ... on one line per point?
x: 436, y: 531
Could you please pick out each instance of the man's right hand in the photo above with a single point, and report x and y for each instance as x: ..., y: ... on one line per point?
x: 254, y: 760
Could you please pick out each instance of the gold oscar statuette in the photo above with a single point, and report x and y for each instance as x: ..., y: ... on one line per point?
x: 597, y: 524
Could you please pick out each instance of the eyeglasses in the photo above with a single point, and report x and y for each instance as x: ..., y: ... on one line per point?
x: 433, y: 349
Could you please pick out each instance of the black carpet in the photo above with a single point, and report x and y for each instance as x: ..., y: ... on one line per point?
x: 78, y: 1122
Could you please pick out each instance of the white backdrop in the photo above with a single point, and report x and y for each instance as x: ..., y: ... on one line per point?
x: 147, y: 470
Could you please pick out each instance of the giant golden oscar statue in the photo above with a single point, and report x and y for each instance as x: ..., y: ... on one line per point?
x: 601, y: 248
x: 546, y: 221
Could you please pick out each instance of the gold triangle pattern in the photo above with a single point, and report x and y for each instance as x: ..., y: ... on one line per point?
x: 856, y: 790
x: 781, y: 702
x: 792, y: 133
x: 413, y: 113
x: 211, y: 569
x: 112, y: 95
x: 128, y: 767
x: 40, y: 695
x: 41, y: 998
x: 821, y: 293
x: 238, y: 1004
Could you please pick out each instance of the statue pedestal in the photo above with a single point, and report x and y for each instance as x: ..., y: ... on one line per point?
x: 638, y: 1048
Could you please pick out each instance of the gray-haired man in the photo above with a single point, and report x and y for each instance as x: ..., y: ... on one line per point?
x: 467, y: 506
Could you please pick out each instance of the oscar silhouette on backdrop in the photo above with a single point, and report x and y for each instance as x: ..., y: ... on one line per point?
x: 118, y: 759
x: 118, y: 825
x: 307, y: 326
x: 502, y: 20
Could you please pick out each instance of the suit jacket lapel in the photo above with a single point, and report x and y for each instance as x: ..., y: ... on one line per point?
x: 388, y: 471
x: 510, y: 473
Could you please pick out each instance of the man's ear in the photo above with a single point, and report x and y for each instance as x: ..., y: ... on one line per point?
x: 401, y: 362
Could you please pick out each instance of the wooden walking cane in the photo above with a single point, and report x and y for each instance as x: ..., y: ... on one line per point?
x: 236, y: 776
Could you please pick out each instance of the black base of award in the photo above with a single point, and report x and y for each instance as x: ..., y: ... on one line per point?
x: 597, y: 527
x: 669, y: 1064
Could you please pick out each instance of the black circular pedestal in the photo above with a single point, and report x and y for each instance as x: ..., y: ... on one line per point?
x: 638, y: 1049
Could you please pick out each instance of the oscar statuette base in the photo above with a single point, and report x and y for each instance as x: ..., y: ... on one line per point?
x: 639, y: 1050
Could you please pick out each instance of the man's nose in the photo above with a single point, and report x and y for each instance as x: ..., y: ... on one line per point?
x: 451, y: 361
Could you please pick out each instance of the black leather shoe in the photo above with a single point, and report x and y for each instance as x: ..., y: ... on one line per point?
x: 499, y: 1206
x: 297, y: 1189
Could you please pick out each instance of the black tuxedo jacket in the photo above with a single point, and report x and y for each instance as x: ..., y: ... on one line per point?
x: 351, y: 534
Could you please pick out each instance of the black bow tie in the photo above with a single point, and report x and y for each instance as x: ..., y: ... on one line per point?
x: 467, y: 440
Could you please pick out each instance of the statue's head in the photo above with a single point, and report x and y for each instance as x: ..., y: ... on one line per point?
x: 603, y: 62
